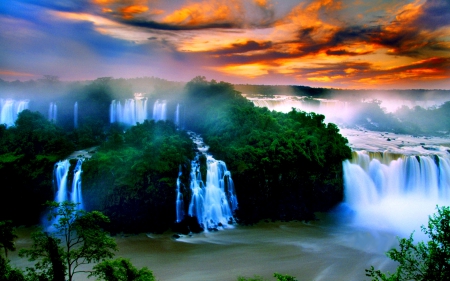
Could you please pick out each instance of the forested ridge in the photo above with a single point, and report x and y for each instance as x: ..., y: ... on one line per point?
x: 285, y: 166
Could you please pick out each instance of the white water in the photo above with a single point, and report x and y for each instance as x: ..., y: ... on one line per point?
x: 130, y: 113
x: 396, y: 192
x: 177, y: 115
x: 75, y: 115
x: 159, y: 110
x: 52, y: 112
x: 76, y: 194
x: 180, y: 201
x: 332, y: 109
x: 9, y: 109
x: 63, y: 193
x: 214, y: 201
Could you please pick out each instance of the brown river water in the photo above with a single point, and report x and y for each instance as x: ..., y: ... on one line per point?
x: 318, y: 250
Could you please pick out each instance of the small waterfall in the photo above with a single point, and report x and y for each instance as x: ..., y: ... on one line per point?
x: 10, y: 109
x: 52, y: 112
x: 61, y: 174
x: 76, y: 196
x: 132, y: 111
x: 213, y: 202
x: 177, y: 115
x: 180, y: 201
x: 159, y: 110
x: 396, y: 192
x: 75, y: 115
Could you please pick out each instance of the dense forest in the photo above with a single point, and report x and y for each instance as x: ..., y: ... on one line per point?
x: 285, y: 166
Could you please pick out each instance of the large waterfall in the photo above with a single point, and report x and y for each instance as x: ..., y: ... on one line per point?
x: 131, y: 112
x: 214, y: 201
x: 63, y: 192
x: 9, y: 109
x: 394, y: 191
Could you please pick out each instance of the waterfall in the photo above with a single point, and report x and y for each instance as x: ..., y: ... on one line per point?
x: 159, y: 110
x: 213, y: 202
x: 76, y: 196
x: 132, y: 111
x: 61, y: 174
x: 395, y: 191
x: 10, y: 109
x: 52, y: 112
x: 177, y: 115
x: 75, y: 115
x: 180, y: 201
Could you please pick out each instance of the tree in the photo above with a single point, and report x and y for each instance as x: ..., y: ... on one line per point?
x: 75, y: 239
x: 121, y: 270
x: 425, y: 260
x: 7, y: 236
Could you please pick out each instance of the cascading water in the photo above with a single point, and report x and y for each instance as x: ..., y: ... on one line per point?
x: 396, y: 192
x: 9, y: 109
x: 52, y: 112
x: 177, y: 115
x: 75, y: 115
x: 180, y: 201
x: 159, y: 110
x: 76, y: 195
x: 61, y: 173
x: 133, y: 111
x: 213, y: 202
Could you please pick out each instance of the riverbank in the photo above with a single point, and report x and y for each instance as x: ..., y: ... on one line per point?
x: 318, y: 250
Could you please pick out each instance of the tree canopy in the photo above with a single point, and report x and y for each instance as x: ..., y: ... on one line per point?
x: 429, y: 260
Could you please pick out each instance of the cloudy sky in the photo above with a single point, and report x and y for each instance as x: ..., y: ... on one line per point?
x: 322, y: 43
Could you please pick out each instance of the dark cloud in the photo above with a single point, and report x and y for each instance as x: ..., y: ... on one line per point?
x: 240, y: 48
x: 178, y: 27
x: 435, y: 14
x: 345, y: 53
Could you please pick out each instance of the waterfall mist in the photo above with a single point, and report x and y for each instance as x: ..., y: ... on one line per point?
x: 395, y: 192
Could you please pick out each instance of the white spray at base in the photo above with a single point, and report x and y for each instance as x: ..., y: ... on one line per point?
x: 63, y: 193
x: 214, y: 201
x: 10, y: 109
x: 396, y: 192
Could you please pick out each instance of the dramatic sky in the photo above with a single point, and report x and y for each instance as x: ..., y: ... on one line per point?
x: 323, y: 43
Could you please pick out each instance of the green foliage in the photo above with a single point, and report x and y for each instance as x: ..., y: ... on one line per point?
x: 8, y: 273
x: 7, y: 236
x: 77, y: 240
x: 132, y: 177
x: 284, y: 166
x: 425, y: 260
x: 28, y: 152
x: 121, y: 269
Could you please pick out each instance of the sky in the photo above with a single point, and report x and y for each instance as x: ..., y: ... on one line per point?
x: 355, y: 44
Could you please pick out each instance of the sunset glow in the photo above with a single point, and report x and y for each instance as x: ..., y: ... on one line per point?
x: 326, y: 43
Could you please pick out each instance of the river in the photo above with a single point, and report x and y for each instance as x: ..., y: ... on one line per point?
x: 326, y: 249
x: 333, y: 247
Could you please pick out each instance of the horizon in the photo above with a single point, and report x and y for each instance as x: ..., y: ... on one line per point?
x: 332, y: 44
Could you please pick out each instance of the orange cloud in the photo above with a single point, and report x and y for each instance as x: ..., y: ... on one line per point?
x: 130, y: 11
x: 15, y: 73
x: 206, y: 12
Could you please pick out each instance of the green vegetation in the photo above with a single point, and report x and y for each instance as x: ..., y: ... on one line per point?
x: 77, y: 240
x: 132, y: 177
x: 121, y: 269
x: 28, y: 152
x: 285, y: 166
x: 425, y: 260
